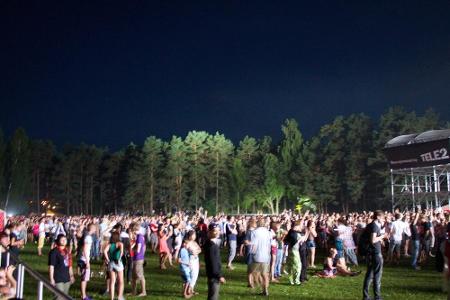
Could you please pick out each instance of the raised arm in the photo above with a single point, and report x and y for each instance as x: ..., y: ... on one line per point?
x: 416, y: 218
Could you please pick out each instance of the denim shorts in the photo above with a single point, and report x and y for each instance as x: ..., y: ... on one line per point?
x: 115, y: 266
x: 311, y: 244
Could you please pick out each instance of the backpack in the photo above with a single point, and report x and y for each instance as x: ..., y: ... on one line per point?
x: 364, y: 242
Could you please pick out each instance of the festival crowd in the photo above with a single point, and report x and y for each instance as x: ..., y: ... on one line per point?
x: 272, y: 246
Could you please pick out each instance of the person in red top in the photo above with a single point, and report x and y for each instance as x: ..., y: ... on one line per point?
x: 202, y: 231
x: 60, y: 265
x: 164, y: 251
x: 35, y: 230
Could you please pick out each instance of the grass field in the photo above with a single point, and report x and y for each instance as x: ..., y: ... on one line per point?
x: 399, y: 282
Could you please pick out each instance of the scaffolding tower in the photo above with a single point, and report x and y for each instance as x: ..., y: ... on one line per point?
x: 428, y: 187
x: 420, y: 169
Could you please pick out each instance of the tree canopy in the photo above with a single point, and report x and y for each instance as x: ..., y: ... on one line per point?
x: 342, y: 168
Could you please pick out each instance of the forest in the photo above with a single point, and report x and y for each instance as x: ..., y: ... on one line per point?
x: 341, y: 168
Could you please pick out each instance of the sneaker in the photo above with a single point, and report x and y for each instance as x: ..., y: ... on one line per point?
x: 87, y: 298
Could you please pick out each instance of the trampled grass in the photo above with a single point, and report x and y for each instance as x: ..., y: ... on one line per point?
x: 399, y: 282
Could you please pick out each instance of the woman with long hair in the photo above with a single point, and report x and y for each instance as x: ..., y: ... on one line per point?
x: 164, y: 251
x: 194, y: 251
x: 311, y: 243
x: 274, y: 227
x: 113, y: 255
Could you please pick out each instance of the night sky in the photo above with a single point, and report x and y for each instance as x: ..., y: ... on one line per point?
x: 112, y: 72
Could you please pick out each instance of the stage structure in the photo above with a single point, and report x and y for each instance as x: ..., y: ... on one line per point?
x: 420, y: 169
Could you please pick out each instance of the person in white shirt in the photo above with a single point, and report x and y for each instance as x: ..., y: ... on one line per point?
x: 84, y: 260
x: 58, y: 229
x: 398, y: 229
x: 41, y: 238
x: 261, y: 240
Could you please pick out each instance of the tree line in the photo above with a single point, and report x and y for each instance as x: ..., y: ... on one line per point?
x: 341, y: 168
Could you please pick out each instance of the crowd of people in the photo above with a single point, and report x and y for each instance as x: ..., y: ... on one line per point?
x: 271, y: 247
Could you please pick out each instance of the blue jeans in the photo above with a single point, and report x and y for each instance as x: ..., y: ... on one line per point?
x: 374, y: 272
x: 340, y: 248
x: 278, y: 262
x: 351, y: 256
x: 415, y: 252
x: 95, y: 253
x: 213, y: 289
x: 232, y: 244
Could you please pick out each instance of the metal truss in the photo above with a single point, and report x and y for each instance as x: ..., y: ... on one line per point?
x: 425, y: 186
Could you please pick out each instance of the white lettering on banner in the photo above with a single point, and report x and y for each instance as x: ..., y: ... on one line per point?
x: 396, y: 162
x: 439, y: 154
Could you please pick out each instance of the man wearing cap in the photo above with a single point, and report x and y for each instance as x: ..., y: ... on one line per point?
x: 213, y: 262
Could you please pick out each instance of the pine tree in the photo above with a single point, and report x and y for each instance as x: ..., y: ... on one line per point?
x: 42, y: 154
x: 133, y: 176
x: 93, y: 161
x: 196, y: 148
x: 312, y: 176
x: 110, y: 182
x: 290, y: 153
x: 18, y: 171
x: 239, y: 181
x: 152, y: 163
x: 163, y: 194
x: 358, y: 141
x: 221, y: 150
x: 61, y: 181
x: 333, y: 151
x: 273, y: 186
x: 429, y: 121
x: 251, y: 158
x: 176, y: 171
